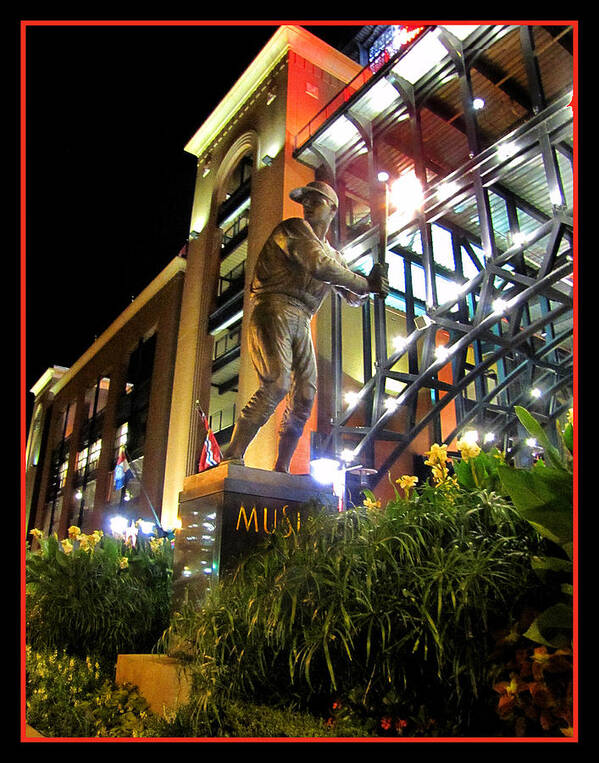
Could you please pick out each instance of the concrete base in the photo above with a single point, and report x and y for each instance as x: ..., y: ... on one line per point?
x: 161, y: 680
x: 226, y: 511
x: 31, y: 732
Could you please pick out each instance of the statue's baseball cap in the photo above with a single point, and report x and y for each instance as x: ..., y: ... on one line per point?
x: 318, y: 186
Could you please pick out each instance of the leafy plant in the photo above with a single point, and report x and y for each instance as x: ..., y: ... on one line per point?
x: 246, y: 719
x: 360, y: 602
x: 480, y: 471
x: 534, y: 683
x: 543, y: 496
x: 95, y: 594
x: 70, y: 696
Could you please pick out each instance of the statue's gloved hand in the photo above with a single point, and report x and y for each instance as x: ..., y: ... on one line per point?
x: 378, y: 280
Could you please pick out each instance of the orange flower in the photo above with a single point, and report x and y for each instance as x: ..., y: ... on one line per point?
x: 540, y: 660
x: 509, y: 690
x: 540, y: 694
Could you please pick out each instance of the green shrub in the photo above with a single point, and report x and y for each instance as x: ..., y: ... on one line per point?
x: 94, y: 594
x: 381, y: 612
x: 533, y: 658
x: 70, y: 696
x: 244, y: 719
x: 544, y: 497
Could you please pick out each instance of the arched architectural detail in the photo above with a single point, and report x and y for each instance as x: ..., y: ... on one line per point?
x: 248, y: 143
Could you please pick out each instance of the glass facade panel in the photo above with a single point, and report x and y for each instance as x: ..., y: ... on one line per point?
x: 442, y: 247
x: 397, y: 278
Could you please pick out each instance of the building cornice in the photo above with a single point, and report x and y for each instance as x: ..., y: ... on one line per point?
x: 47, y: 378
x: 286, y: 38
x: 177, y: 265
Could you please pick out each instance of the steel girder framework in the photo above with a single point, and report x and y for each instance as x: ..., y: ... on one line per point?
x: 514, y: 317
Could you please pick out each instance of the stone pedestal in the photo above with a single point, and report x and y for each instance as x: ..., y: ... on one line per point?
x: 226, y: 511
x: 162, y: 681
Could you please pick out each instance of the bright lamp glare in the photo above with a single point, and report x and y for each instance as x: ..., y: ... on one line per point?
x: 471, y: 436
x: 442, y: 353
x: 535, y: 392
x: 351, y: 398
x: 390, y: 403
x: 446, y: 190
x: 119, y: 525
x: 399, y: 343
x: 406, y: 193
x: 506, y: 150
x: 347, y: 455
x: 324, y: 470
x: 383, y: 176
x: 519, y: 239
x: 147, y: 528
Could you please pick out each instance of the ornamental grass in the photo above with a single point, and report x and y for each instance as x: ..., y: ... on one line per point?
x: 378, y: 612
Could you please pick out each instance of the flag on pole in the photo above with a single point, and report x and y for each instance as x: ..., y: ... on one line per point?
x: 211, y: 455
x: 122, y: 471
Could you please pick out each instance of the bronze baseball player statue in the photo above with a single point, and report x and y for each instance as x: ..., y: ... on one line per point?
x: 296, y: 269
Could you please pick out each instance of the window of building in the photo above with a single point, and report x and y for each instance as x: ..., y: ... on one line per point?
x: 120, y: 439
x: 240, y: 175
x: 133, y: 404
x: 62, y: 473
x: 36, y: 437
x: 66, y: 421
x: 94, y: 454
x: 81, y: 462
x: 96, y: 397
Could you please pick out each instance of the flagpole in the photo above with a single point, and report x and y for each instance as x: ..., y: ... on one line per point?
x: 130, y: 462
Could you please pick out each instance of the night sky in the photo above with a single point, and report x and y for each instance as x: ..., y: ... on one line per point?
x: 109, y: 186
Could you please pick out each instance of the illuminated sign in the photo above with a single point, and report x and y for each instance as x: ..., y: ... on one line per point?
x: 394, y: 38
x: 269, y: 519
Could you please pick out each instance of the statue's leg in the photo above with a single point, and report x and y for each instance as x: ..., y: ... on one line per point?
x: 270, y: 350
x: 301, y: 397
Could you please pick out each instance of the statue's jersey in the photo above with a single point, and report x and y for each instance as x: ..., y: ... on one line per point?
x: 295, y: 263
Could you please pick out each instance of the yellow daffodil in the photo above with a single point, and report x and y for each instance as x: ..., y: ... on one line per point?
x: 440, y: 472
x: 370, y: 504
x: 570, y: 416
x: 468, y: 449
x: 123, y: 563
x: 436, y: 455
x: 94, y: 538
x: 406, y: 482
x: 73, y: 532
x: 156, y: 543
x: 67, y: 546
x: 84, y: 542
x: 37, y: 534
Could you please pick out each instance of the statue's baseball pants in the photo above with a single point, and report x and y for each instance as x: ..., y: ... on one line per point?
x: 282, y: 352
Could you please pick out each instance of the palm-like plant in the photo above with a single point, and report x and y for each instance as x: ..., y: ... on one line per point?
x: 372, y: 606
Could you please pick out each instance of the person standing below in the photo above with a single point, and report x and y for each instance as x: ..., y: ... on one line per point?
x: 296, y: 269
